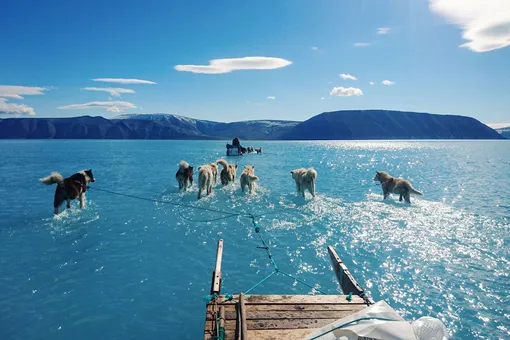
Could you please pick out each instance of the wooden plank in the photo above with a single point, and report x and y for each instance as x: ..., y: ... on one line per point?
x: 216, y: 280
x: 293, y: 307
x: 230, y: 325
x: 244, y: 325
x: 277, y: 334
x: 300, y: 299
x: 222, y: 322
x: 347, y: 282
x: 272, y: 315
x: 268, y: 334
x: 308, y: 307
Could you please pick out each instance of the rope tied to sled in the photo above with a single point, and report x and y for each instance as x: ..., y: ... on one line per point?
x: 226, y: 215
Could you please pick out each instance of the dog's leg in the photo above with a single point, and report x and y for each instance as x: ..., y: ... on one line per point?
x: 407, y: 197
x: 68, y: 204
x: 312, y: 188
x: 386, y: 194
x: 82, y: 200
x: 57, y: 201
x: 400, y: 199
x: 199, y: 191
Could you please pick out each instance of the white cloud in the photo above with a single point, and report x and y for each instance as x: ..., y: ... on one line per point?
x: 16, y: 92
x: 123, y: 81
x: 112, y: 106
x: 362, y: 44
x: 113, y: 91
x: 347, y: 76
x: 383, y: 30
x: 345, y: 92
x: 371, y: 83
x: 15, y: 109
x: 315, y: 48
x: 485, y: 24
x: 387, y: 82
x: 218, y: 66
x: 271, y: 97
x: 322, y: 98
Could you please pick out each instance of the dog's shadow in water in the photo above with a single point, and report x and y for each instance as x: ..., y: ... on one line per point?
x: 298, y: 200
x: 395, y: 203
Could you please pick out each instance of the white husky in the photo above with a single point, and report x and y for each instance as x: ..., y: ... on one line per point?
x: 248, y: 178
x: 205, y: 179
x: 305, y: 180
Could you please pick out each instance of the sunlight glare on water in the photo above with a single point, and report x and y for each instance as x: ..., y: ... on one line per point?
x: 126, y: 268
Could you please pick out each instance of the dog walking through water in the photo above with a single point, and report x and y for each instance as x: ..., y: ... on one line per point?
x: 399, y: 186
x: 228, y: 173
x: 205, y: 179
x: 184, y: 175
x: 248, y: 178
x: 305, y: 180
x: 69, y: 188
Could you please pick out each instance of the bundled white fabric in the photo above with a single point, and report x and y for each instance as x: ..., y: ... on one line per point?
x: 377, y: 322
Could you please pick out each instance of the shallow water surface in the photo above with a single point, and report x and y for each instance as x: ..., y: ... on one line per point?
x: 125, y: 268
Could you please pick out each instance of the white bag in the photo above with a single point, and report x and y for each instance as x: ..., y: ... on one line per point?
x: 380, y: 322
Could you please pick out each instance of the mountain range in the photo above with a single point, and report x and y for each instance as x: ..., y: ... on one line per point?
x: 353, y: 124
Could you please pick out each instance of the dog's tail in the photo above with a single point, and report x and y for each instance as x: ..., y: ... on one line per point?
x: 55, y: 177
x: 253, y: 178
x: 311, y: 174
x: 183, y: 165
x: 414, y: 191
x: 222, y: 162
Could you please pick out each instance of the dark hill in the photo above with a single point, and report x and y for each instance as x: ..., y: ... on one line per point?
x: 372, y: 124
x: 380, y: 124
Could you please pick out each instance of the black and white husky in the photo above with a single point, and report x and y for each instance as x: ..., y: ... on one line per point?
x: 69, y: 188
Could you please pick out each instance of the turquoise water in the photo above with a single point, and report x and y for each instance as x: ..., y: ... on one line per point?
x: 128, y: 269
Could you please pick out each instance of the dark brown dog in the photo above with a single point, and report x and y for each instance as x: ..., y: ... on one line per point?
x: 69, y: 188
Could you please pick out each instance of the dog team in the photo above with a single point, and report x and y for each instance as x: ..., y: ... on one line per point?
x: 75, y: 186
x: 208, y: 176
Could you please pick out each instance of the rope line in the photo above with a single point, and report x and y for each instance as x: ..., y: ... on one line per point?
x: 252, y: 217
x: 168, y: 202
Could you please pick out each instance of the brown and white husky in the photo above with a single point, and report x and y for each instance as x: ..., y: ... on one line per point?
x: 399, y: 186
x: 184, y: 175
x: 228, y: 173
x: 69, y: 188
x: 248, y: 178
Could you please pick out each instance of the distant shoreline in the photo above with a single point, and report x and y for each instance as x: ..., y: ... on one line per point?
x: 338, y: 125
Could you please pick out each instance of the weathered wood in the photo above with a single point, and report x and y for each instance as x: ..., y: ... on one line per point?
x: 347, y: 282
x: 295, y: 307
x: 244, y: 325
x: 222, y: 319
x: 272, y: 315
x: 216, y: 280
x: 278, y: 334
x: 296, y: 299
x: 230, y: 325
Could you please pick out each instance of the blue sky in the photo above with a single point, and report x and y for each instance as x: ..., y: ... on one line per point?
x: 54, y: 49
